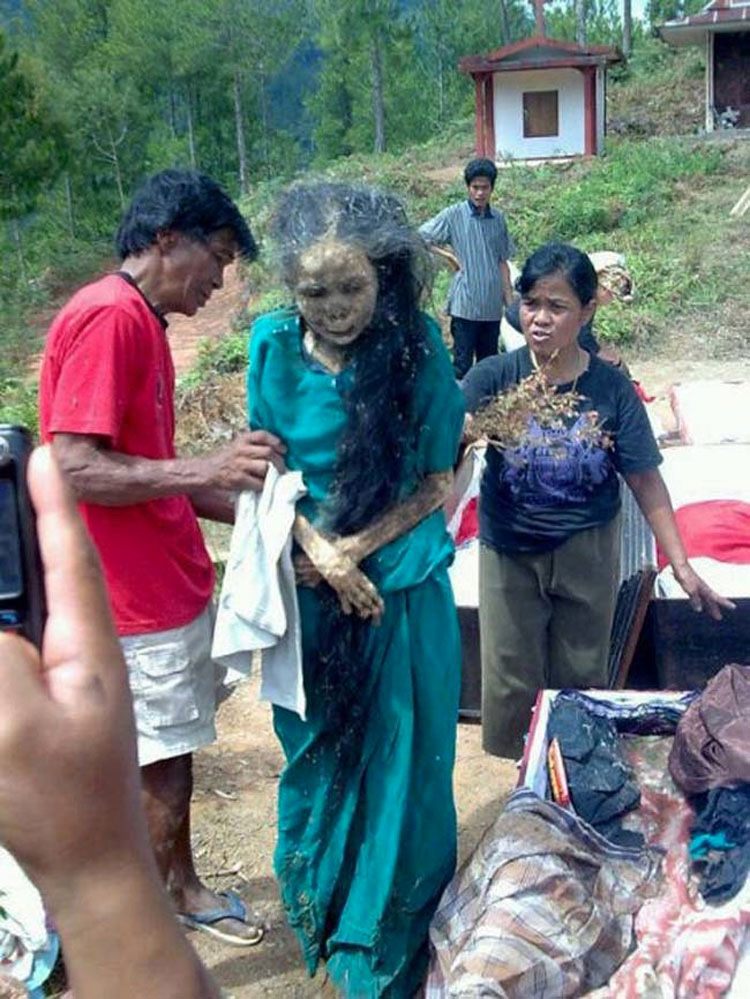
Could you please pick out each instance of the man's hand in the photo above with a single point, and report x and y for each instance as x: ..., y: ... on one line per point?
x: 447, y: 255
x: 243, y: 463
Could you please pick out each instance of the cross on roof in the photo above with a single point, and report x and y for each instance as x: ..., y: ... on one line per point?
x: 538, y: 6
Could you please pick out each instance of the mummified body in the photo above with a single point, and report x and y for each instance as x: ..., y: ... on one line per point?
x: 356, y: 381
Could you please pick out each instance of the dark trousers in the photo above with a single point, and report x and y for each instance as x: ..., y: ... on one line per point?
x: 473, y: 339
x: 544, y: 621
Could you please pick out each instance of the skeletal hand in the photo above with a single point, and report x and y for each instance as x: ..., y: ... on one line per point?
x: 355, y: 591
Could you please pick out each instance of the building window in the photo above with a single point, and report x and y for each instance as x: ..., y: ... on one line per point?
x: 540, y: 114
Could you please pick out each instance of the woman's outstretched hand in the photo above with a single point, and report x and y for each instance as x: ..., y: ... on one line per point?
x: 701, y: 596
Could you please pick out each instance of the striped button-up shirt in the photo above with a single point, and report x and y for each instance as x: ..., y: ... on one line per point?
x: 481, y: 242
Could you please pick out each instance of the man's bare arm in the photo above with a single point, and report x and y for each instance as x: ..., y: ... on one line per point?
x: 110, y: 478
x: 214, y: 504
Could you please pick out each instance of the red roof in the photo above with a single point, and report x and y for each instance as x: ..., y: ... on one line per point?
x: 718, y: 15
x: 539, y: 52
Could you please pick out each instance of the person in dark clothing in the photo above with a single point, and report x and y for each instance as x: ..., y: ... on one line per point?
x: 549, y: 505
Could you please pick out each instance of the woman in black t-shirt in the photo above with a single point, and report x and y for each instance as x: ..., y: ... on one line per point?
x: 549, y: 506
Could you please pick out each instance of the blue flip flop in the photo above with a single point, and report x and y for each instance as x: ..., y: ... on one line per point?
x: 236, y: 909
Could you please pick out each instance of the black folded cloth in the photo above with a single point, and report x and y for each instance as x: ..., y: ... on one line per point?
x: 600, y: 780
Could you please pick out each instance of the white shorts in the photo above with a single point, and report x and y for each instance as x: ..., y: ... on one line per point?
x: 173, y: 681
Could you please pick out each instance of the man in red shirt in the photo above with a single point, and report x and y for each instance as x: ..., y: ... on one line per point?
x: 107, y: 403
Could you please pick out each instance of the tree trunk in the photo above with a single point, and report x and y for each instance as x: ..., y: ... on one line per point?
x: 118, y: 174
x: 502, y: 11
x: 172, y: 112
x: 378, y: 99
x: 240, y: 133
x: 69, y: 205
x: 441, y: 88
x: 16, y: 229
x: 580, y: 7
x: 627, y: 28
x: 191, y: 129
x: 264, y: 121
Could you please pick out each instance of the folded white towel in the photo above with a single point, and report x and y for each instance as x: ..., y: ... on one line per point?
x: 258, y: 604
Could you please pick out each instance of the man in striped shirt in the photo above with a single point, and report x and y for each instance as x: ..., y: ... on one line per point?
x: 479, y: 250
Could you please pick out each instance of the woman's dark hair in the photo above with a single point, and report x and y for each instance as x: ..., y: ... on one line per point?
x: 480, y: 168
x: 373, y: 460
x: 560, y: 258
x: 187, y: 202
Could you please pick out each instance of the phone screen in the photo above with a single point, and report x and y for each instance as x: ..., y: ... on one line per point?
x: 11, y: 579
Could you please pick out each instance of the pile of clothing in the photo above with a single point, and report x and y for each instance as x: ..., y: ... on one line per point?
x: 548, y: 908
x: 710, y: 763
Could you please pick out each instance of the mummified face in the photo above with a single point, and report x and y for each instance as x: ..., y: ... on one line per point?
x: 336, y: 290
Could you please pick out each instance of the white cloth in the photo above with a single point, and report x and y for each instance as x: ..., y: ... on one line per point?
x: 23, y: 928
x: 464, y: 570
x: 258, y: 606
x: 712, y: 412
x: 699, y: 473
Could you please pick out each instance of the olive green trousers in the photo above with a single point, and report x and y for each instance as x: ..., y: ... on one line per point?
x: 544, y: 621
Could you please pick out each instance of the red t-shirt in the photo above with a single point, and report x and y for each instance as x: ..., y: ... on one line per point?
x: 108, y: 371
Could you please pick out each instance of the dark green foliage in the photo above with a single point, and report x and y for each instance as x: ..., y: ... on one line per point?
x: 659, y: 11
x: 108, y: 91
x: 32, y: 143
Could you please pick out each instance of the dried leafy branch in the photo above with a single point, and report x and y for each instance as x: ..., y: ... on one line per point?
x: 534, y: 405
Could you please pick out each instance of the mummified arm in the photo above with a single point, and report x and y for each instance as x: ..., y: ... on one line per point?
x: 399, y: 519
x: 354, y: 589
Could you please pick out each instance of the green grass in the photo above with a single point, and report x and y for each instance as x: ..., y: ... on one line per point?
x: 663, y: 200
x: 650, y: 199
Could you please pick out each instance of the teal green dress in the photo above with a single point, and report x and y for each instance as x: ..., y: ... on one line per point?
x: 367, y: 844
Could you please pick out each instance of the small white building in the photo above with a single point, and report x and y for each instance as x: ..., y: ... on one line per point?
x: 722, y: 28
x: 540, y: 98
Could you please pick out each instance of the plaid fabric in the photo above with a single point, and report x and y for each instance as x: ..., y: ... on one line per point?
x: 542, y: 910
